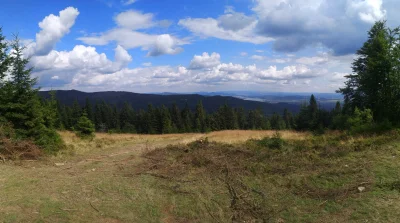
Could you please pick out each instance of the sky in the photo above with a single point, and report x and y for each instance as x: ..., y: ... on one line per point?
x: 190, y: 46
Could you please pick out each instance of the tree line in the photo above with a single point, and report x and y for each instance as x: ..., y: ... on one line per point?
x: 162, y: 120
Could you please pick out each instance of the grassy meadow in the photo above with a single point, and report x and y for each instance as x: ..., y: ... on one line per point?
x: 227, y: 176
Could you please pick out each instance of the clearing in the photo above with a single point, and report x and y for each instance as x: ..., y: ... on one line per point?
x: 228, y: 176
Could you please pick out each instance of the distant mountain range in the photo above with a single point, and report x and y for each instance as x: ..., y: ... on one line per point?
x: 326, y: 100
x: 140, y: 101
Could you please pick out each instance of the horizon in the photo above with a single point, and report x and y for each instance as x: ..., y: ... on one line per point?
x: 209, y: 46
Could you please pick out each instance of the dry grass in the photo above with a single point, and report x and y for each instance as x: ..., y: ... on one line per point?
x: 124, y: 178
x: 235, y: 136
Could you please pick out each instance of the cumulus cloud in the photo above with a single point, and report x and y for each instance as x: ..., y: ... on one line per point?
x: 53, y: 28
x: 127, y: 35
x: 205, y: 61
x: 64, y: 65
x: 164, y: 44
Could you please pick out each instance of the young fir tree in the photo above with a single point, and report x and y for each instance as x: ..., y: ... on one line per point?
x: 84, y: 127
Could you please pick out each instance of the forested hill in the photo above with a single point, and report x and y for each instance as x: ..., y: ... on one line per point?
x: 141, y: 101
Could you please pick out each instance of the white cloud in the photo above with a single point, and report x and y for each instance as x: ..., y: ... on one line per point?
x: 234, y: 21
x: 134, y: 20
x: 164, y: 44
x: 209, y: 27
x: 288, y: 23
x: 128, y: 2
x: 367, y: 10
x: 257, y: 57
x: 147, y: 64
x: 53, y: 28
x: 289, y: 72
x: 243, y: 54
x: 55, y: 77
x: 81, y: 59
x: 313, y: 60
x: 205, y: 61
x: 127, y: 36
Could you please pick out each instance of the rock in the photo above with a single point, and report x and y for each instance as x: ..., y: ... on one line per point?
x: 93, y: 169
x: 361, y: 189
x: 59, y: 164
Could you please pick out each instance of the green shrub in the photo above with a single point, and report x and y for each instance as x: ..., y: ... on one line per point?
x: 50, y: 141
x: 275, y: 142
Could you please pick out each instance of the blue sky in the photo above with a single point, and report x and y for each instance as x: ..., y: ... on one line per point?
x: 187, y: 46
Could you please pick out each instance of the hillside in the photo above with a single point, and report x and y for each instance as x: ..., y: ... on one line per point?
x: 140, y: 101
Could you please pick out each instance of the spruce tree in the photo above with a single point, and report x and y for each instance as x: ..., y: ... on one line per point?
x: 89, y: 110
x: 84, y: 127
x: 200, y: 118
x: 375, y: 81
x: 20, y: 104
x: 187, y: 118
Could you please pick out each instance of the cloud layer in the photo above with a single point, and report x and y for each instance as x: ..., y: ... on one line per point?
x: 295, y: 24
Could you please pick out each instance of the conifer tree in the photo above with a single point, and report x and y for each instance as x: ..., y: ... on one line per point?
x: 200, y: 118
x: 84, y: 127
x: 187, y: 118
x: 375, y: 81
x: 165, y: 120
x: 20, y: 104
x: 176, y: 119
x: 89, y: 110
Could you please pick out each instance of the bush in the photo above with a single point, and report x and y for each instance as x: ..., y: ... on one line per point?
x: 85, y: 128
x: 50, y: 141
x: 275, y: 142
